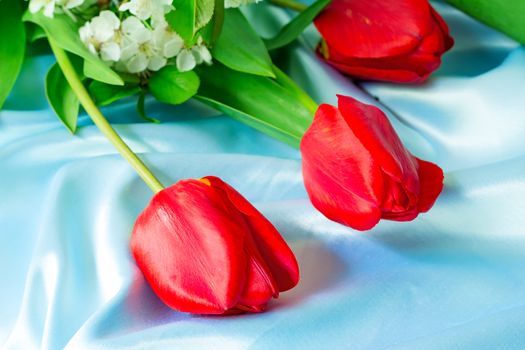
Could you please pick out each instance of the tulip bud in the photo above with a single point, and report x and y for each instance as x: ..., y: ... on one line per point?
x: 205, y: 249
x: 398, y: 41
x: 356, y: 170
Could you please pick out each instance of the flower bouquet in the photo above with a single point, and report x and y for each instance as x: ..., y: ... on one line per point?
x: 200, y: 244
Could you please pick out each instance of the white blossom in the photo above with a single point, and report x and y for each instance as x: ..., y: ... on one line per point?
x: 49, y: 7
x: 167, y: 41
x: 135, y: 45
x: 102, y: 35
x: 145, y: 9
x: 190, y: 57
x: 139, y: 50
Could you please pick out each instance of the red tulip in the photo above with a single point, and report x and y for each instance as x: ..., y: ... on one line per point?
x: 357, y: 171
x: 391, y: 40
x: 205, y: 249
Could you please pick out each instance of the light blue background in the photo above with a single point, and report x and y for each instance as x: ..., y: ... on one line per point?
x: 452, y: 279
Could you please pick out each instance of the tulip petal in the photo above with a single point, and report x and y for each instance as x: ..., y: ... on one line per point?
x: 373, y: 129
x: 189, y: 250
x: 274, y: 251
x: 341, y: 176
x: 400, y: 41
x: 430, y: 182
x: 364, y: 28
x: 352, y: 68
x: 259, y: 287
x: 449, y: 41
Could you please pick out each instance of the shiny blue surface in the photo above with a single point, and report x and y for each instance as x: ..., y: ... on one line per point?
x: 452, y: 279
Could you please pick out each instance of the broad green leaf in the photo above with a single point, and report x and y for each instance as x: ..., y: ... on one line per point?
x: 240, y: 48
x: 204, y: 13
x: 12, y: 46
x: 211, y: 31
x: 218, y: 21
x: 62, y: 98
x: 93, y: 70
x: 34, y: 32
x: 182, y: 19
x: 260, y: 102
x: 507, y: 16
x: 189, y: 16
x: 171, y: 86
x: 65, y: 32
x: 105, y: 94
x: 296, y: 26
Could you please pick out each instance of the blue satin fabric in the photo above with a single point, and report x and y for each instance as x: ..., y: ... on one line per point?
x: 452, y: 279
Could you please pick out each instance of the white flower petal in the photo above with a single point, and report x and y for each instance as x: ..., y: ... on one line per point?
x: 135, y: 30
x: 129, y: 50
x: 185, y: 61
x: 85, y: 32
x: 156, y: 63
x: 110, y: 51
x: 124, y: 7
x: 172, y: 47
x: 73, y: 3
x: 203, y: 54
x: 37, y: 5
x: 49, y: 9
x: 137, y: 63
x: 104, y: 26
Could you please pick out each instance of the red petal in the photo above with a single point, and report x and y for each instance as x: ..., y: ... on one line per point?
x: 189, y: 250
x: 449, y: 41
x: 268, y: 242
x: 413, y: 67
x: 260, y: 286
x: 430, y: 182
x: 373, y: 129
x: 341, y: 176
x: 391, y: 74
x: 364, y: 28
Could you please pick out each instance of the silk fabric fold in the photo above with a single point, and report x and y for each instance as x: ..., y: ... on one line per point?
x: 452, y: 279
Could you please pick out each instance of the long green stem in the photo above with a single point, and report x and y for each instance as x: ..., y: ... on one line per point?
x: 100, y: 121
x: 290, y: 4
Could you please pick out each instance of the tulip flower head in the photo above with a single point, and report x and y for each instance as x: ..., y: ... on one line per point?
x: 356, y: 170
x: 398, y: 41
x: 205, y: 249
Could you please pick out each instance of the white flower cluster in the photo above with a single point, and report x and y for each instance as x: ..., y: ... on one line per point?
x: 142, y: 41
x: 137, y: 38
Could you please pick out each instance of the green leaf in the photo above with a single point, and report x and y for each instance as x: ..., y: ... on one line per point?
x: 507, y: 16
x: 12, y: 46
x: 34, y: 32
x: 260, y: 102
x: 204, y: 13
x: 105, y: 94
x: 296, y: 26
x: 240, y: 48
x: 65, y: 32
x: 182, y: 19
x: 171, y: 86
x: 62, y: 98
x: 93, y: 70
x: 210, y: 33
x: 189, y: 16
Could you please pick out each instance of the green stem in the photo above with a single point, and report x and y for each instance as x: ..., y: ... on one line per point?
x: 290, y: 4
x: 100, y: 121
